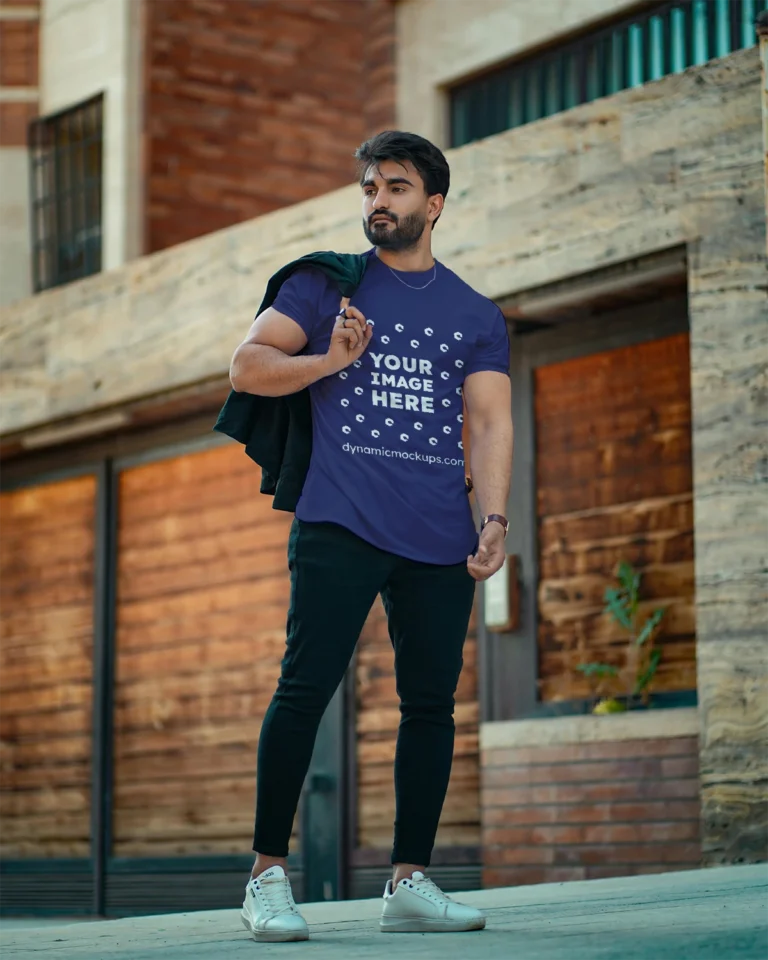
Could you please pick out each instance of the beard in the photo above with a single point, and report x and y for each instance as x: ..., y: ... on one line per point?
x: 404, y: 235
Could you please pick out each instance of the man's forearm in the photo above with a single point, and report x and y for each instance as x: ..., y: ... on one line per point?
x: 491, y: 466
x: 268, y: 372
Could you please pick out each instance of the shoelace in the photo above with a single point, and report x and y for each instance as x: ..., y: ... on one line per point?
x: 278, y: 895
x: 430, y: 888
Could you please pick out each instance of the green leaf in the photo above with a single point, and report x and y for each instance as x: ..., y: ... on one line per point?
x: 650, y: 625
x: 616, y: 605
x: 629, y: 578
x: 648, y: 674
x: 598, y: 670
x: 630, y: 583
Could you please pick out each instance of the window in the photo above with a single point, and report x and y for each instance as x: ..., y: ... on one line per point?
x: 65, y: 153
x: 665, y: 39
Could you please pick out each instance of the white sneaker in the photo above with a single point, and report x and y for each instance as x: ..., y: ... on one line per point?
x: 269, y: 911
x: 419, y: 906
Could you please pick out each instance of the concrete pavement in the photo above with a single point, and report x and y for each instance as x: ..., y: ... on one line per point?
x: 719, y: 914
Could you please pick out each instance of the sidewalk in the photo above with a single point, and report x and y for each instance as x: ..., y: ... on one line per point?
x: 719, y: 914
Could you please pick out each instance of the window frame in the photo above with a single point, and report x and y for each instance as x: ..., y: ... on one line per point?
x: 601, y: 62
x: 66, y: 205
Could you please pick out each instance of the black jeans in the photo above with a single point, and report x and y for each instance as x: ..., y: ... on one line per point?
x: 335, y: 578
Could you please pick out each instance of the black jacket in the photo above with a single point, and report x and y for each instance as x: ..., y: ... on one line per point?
x: 277, y: 431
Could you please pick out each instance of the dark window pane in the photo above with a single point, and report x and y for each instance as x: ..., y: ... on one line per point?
x: 516, y: 101
x: 66, y: 184
x: 552, y: 102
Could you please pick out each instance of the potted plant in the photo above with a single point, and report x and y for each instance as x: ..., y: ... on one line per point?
x: 642, y: 656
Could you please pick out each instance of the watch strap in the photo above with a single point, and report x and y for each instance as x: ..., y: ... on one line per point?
x: 498, y: 518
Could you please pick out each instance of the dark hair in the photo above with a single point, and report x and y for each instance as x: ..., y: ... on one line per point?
x: 399, y: 146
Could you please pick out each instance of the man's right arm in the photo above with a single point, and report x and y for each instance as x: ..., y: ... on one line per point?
x: 266, y: 362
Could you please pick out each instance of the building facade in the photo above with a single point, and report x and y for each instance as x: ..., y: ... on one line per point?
x: 158, y: 122
x: 609, y: 193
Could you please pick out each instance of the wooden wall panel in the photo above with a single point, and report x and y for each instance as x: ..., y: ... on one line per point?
x: 614, y: 481
x: 378, y: 716
x: 46, y: 641
x: 202, y: 602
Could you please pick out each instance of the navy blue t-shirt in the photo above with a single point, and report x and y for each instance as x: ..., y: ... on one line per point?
x: 387, y: 458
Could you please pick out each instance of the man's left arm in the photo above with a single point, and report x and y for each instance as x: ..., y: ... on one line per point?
x: 488, y: 396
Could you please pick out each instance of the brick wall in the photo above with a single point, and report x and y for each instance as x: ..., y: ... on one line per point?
x: 256, y: 104
x: 584, y: 810
x: 19, y: 33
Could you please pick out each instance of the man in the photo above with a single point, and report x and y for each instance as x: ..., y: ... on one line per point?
x: 383, y: 510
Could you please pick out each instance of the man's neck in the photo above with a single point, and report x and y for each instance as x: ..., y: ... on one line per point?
x: 417, y: 260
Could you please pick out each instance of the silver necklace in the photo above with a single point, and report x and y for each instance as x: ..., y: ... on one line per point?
x: 434, y: 277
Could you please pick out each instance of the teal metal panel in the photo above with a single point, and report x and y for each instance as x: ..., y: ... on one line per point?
x: 666, y: 39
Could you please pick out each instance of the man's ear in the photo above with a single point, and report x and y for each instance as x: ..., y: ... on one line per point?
x: 435, y: 206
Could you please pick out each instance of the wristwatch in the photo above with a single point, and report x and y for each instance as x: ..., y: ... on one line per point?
x: 498, y: 518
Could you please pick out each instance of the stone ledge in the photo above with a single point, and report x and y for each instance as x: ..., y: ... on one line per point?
x: 635, y: 725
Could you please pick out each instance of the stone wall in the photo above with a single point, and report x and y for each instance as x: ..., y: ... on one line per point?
x: 252, y: 107
x: 673, y: 163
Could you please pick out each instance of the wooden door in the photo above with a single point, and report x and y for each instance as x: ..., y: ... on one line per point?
x: 614, y: 482
x: 46, y: 623
x: 202, y: 597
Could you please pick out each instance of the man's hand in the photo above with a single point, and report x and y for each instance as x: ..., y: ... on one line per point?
x: 349, y: 339
x: 490, y: 553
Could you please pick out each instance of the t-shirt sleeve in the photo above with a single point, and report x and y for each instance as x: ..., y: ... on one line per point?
x: 492, y: 347
x: 299, y: 299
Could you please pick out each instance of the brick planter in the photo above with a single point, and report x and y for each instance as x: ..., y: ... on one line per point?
x: 573, y: 798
